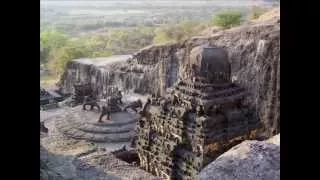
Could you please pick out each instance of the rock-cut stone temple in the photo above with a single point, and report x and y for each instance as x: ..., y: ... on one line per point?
x: 201, y: 116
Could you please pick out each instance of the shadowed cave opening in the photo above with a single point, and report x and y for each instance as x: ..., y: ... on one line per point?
x: 129, y: 156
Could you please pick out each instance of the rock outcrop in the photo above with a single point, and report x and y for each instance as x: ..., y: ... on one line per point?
x: 46, y: 172
x: 250, y: 160
x: 274, y: 140
x: 254, y: 54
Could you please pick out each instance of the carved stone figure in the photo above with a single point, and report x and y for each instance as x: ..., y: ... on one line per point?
x: 145, y: 108
x: 80, y: 91
x: 134, y: 105
x: 105, y: 111
x: 92, y: 102
x: 193, y: 104
x: 43, y: 127
x: 119, y: 97
x: 175, y: 99
x: 164, y: 104
x: 200, y: 110
x: 112, y: 103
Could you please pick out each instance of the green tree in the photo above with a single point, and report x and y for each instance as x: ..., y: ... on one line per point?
x: 227, y: 19
x: 49, y: 40
x: 59, y: 57
x: 163, y: 35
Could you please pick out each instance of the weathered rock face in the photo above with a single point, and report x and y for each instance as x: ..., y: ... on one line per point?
x: 116, y: 71
x: 203, y: 115
x: 274, y: 140
x: 253, y: 51
x: 249, y: 160
x: 254, y: 54
x: 47, y: 173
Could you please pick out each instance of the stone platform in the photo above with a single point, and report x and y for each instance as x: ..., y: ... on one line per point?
x: 82, y: 124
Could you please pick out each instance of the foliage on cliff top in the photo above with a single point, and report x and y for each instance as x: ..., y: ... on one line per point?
x: 61, y: 56
x: 56, y: 51
x: 56, y: 48
x: 228, y: 19
x: 178, y: 32
x: 257, y: 12
x: 270, y: 14
x: 60, y: 49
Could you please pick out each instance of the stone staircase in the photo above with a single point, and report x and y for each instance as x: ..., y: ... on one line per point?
x: 79, y: 124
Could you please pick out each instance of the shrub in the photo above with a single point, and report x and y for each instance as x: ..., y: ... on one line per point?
x: 178, y: 32
x: 60, y: 57
x: 163, y: 35
x: 257, y: 12
x: 49, y: 40
x: 227, y: 19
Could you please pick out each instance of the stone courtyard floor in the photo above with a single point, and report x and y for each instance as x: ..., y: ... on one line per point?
x: 81, y: 159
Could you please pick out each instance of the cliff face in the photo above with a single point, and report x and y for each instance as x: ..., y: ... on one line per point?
x: 254, y: 54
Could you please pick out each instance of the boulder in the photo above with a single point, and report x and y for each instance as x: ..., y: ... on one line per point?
x: 250, y: 160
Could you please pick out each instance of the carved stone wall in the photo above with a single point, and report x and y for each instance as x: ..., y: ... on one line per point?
x: 195, y: 122
x: 79, y: 92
